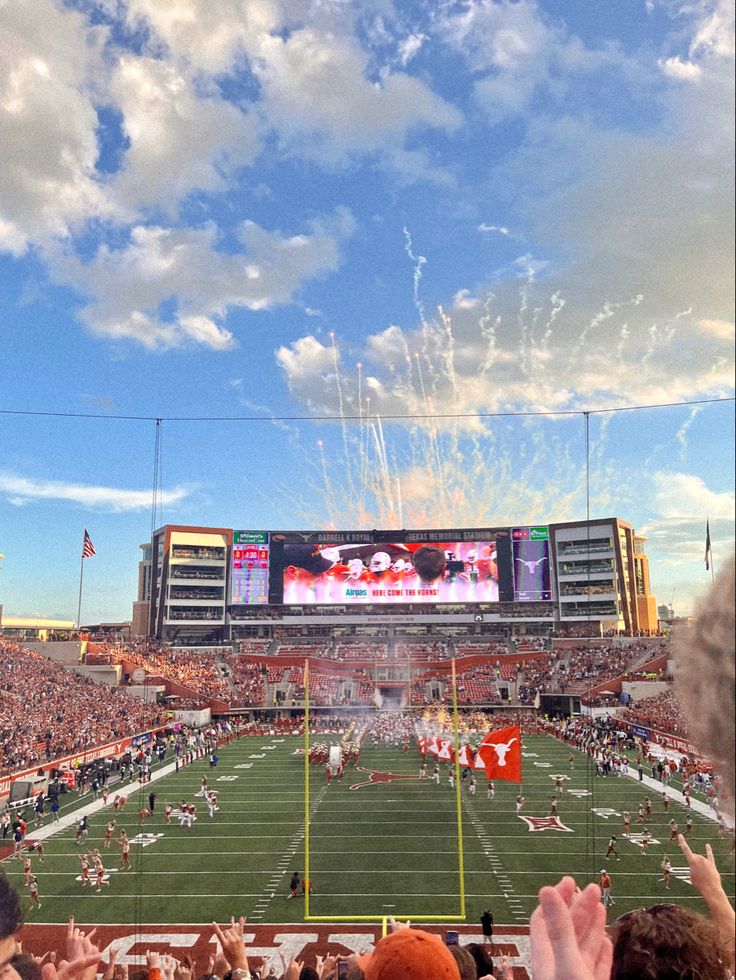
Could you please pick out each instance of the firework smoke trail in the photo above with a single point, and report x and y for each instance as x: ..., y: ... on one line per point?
x: 363, y: 438
x: 521, y: 320
x: 433, y: 447
x: 449, y: 360
x: 652, y: 341
x: 623, y: 338
x: 670, y: 328
x: 558, y: 304
x: 681, y: 434
x: 605, y: 313
x: 450, y: 353
x: 328, y: 485
x: 347, y: 455
x: 419, y: 261
x: 488, y: 332
x: 382, y: 491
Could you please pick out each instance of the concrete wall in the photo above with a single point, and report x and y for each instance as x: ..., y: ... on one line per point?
x: 643, y: 689
x: 102, y: 674
x: 147, y: 692
x: 63, y: 651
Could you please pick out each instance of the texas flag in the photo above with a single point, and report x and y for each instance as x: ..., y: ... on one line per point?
x: 433, y: 745
x: 446, y: 750
x: 499, y: 754
x: 465, y: 756
x: 422, y: 743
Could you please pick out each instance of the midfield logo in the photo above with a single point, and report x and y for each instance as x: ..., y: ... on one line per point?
x: 546, y: 823
x: 375, y: 777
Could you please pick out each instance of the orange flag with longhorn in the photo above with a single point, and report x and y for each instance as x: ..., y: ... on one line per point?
x: 499, y: 755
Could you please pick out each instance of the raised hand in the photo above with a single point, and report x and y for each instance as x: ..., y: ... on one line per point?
x: 568, y: 934
x: 233, y: 943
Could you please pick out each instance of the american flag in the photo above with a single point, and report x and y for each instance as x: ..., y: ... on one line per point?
x: 88, y: 549
x: 708, y: 551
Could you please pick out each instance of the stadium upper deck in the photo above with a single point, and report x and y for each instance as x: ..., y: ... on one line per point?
x: 215, y: 585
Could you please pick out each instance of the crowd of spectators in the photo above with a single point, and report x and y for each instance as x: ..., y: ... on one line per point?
x: 48, y: 711
x: 662, y: 712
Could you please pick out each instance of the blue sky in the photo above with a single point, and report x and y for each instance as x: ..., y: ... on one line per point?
x: 288, y: 210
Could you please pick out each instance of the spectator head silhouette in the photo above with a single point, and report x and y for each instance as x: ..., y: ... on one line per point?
x: 411, y: 954
x: 11, y: 919
x: 666, y: 942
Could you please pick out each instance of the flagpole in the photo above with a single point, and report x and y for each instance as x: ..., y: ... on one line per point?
x: 81, y: 577
x: 458, y: 803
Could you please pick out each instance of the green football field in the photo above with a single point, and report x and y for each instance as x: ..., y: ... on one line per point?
x: 388, y: 847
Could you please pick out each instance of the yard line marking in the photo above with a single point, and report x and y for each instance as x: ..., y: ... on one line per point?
x: 504, y: 882
x: 296, y: 842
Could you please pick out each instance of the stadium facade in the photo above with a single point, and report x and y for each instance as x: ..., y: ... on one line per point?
x: 213, y: 585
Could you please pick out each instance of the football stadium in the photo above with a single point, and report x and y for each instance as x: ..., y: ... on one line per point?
x: 367, y: 490
x: 327, y: 731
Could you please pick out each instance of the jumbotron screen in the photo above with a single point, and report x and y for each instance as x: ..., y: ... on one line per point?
x: 388, y: 572
x: 386, y: 568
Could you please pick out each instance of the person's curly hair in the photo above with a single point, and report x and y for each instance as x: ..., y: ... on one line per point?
x: 705, y: 658
x: 667, y: 942
x: 465, y: 962
x: 429, y: 562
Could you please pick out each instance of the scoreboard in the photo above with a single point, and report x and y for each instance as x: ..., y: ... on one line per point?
x: 388, y: 567
x: 249, y: 575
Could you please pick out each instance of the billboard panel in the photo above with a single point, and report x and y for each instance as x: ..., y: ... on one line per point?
x: 531, y: 564
x: 249, y: 572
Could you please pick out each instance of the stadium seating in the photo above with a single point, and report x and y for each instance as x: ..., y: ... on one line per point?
x: 47, y: 711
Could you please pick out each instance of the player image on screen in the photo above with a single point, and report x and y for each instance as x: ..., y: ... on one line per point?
x: 390, y: 572
x: 531, y: 570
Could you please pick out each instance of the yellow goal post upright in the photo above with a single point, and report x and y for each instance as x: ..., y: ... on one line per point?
x: 381, y: 917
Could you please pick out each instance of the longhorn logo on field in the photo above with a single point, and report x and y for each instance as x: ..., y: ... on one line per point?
x: 379, y: 777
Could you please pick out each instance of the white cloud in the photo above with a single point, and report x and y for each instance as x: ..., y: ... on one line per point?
x: 722, y: 329
x: 209, y: 37
x: 515, y: 50
x: 684, y: 496
x: 409, y: 47
x: 677, y: 68
x: 315, y: 86
x: 315, y: 81
x: 48, y: 183
x: 21, y: 490
x: 715, y: 28
x: 178, y: 140
x: 305, y: 360
x: 464, y: 300
x: 499, y: 228
x: 127, y: 286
